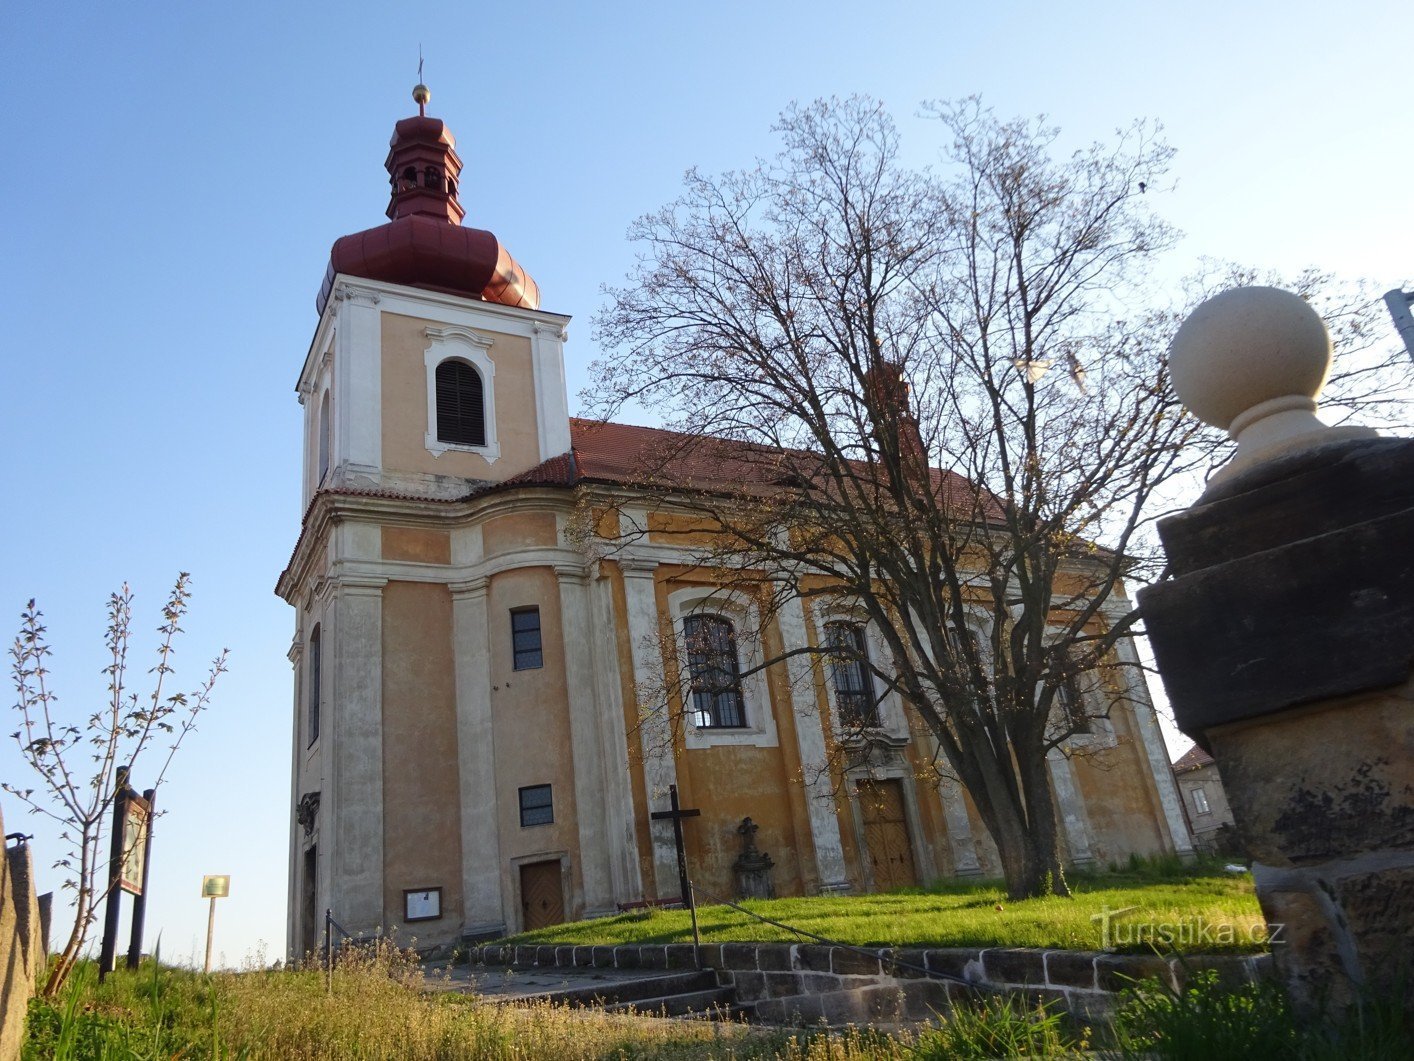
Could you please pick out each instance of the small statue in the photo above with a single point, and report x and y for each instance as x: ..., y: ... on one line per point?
x: 753, y: 867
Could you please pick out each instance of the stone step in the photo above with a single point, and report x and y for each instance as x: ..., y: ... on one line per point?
x: 635, y: 990
x: 710, y: 1003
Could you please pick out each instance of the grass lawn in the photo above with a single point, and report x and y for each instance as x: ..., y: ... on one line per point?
x: 957, y: 914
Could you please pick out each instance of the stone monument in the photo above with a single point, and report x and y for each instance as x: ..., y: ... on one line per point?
x: 1286, y: 642
x: 753, y: 867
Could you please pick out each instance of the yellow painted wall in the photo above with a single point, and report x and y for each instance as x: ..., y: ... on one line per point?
x: 421, y: 796
x: 519, y: 530
x: 418, y: 545
x: 404, y: 384
x: 530, y: 718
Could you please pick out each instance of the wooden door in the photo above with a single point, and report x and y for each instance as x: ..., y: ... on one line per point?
x: 886, y: 840
x: 542, y: 895
x: 310, y: 927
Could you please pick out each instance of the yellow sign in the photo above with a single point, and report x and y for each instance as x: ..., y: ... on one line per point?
x: 216, y: 886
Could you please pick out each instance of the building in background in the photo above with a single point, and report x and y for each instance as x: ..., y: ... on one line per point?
x: 1205, y: 803
x: 468, y: 669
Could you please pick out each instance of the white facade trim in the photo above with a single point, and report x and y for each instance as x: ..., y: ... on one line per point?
x: 461, y: 344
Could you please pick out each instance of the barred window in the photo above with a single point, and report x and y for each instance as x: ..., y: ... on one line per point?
x: 525, y: 639
x: 1071, y: 704
x: 849, y: 670
x: 537, y: 807
x: 461, y: 404
x: 714, y: 673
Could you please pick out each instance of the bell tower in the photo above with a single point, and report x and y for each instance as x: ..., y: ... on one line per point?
x: 433, y: 376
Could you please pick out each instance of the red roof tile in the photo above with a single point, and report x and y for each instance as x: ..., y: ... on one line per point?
x: 1194, y: 758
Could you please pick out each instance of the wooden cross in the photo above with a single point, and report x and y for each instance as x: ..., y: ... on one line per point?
x: 676, y: 815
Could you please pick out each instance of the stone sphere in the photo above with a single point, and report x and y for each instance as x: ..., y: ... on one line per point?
x: 1246, y: 346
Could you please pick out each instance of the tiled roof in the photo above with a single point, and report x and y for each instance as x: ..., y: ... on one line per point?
x: 1192, y: 759
x: 656, y: 458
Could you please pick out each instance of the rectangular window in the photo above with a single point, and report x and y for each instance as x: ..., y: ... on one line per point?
x: 536, y: 806
x: 525, y: 638
x: 1200, y: 801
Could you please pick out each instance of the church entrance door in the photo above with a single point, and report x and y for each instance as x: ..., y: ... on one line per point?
x: 886, y: 840
x: 542, y: 895
x: 309, y: 927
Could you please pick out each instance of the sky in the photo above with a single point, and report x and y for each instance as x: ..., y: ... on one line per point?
x: 177, y: 173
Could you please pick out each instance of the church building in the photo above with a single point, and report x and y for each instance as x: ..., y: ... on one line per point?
x: 468, y: 758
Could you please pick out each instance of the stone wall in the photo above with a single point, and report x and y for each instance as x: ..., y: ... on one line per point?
x: 22, y: 945
x: 806, y: 984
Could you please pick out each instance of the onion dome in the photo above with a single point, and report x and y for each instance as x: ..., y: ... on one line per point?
x: 424, y: 243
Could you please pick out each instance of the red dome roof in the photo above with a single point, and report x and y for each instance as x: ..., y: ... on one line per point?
x: 425, y: 245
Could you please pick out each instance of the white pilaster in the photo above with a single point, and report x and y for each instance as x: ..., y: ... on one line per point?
x: 1071, y: 807
x: 476, y: 763
x: 552, y: 412
x: 814, y: 757
x: 358, y: 381
x: 586, y: 741
x: 964, y: 848
x: 356, y: 707
x: 1136, y: 692
x: 618, y: 786
x: 292, y: 891
x: 654, y: 726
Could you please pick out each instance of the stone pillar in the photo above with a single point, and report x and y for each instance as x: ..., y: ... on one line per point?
x: 618, y: 791
x: 814, y: 758
x: 1286, y: 640
x: 654, y: 727
x: 1136, y: 695
x: 476, y: 764
x: 1071, y: 809
x: 586, y: 740
x: 356, y: 704
x: 964, y: 848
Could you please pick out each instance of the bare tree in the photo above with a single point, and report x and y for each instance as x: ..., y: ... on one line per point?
x: 941, y: 398
x: 79, y: 759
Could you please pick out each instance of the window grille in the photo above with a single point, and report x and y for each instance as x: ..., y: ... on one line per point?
x: 714, y: 673
x: 849, y: 669
x: 537, y: 806
x: 525, y: 639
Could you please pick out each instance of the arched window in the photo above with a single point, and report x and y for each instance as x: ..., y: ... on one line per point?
x: 315, y: 683
x: 461, y: 404
x: 324, y: 427
x: 714, y: 673
x: 849, y: 670
x: 432, y: 177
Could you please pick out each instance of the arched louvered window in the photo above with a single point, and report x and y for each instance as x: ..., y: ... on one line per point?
x: 714, y: 672
x: 324, y: 428
x: 461, y: 404
x: 316, y: 681
x: 849, y: 669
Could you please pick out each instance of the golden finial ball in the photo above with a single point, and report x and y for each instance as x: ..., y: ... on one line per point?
x: 421, y: 94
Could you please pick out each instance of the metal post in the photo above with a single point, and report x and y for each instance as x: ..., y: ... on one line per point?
x: 329, y: 950
x: 210, y: 927
x: 140, y: 902
x: 108, y: 951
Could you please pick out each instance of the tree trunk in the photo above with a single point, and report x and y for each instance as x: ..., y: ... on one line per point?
x: 1022, y: 821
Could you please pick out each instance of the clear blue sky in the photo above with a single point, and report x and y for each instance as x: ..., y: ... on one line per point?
x: 177, y: 173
